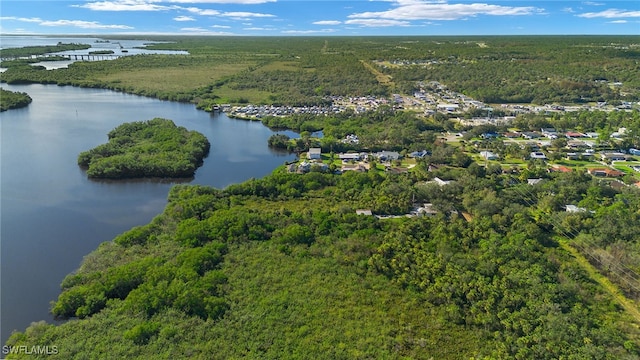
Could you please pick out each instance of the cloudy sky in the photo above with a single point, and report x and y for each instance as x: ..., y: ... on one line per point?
x: 319, y: 17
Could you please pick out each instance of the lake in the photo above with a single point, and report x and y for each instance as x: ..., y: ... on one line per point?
x: 51, y: 215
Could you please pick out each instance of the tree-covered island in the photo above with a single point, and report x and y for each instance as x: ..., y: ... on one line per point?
x: 29, y: 51
x: 13, y: 100
x: 153, y: 148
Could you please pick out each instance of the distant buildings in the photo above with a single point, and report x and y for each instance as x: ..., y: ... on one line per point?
x: 419, y: 154
x: 387, y: 155
x: 605, y: 172
x: 488, y: 155
x: 346, y: 157
x: 574, y: 135
x: 530, y: 135
x: 613, y: 156
x: 350, y: 139
x: 538, y: 155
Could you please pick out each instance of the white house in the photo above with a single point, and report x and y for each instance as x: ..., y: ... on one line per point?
x: 426, y: 210
x: 350, y: 156
x: 488, y: 155
x: 538, y: 155
x: 534, y: 181
x: 387, y: 155
x: 613, y: 156
x: 314, y: 153
x: 573, y: 208
x: 441, y: 182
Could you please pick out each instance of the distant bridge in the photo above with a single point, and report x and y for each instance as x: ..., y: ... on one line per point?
x: 77, y: 57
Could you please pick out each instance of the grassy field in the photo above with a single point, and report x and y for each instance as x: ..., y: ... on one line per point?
x: 578, y: 164
x: 174, y: 78
x: 626, y: 166
x: 251, y: 96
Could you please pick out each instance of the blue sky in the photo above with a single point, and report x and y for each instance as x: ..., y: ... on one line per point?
x: 319, y: 17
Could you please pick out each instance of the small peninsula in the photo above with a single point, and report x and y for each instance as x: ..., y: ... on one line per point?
x: 13, y: 100
x: 145, y: 149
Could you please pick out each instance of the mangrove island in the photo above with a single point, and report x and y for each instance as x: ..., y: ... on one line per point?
x: 153, y: 148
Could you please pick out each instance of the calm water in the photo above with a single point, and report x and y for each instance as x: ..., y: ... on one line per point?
x: 119, y: 47
x: 51, y: 215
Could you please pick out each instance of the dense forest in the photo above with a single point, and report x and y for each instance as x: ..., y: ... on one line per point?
x: 13, y: 100
x: 153, y: 148
x: 283, y: 265
x: 305, y: 71
x: 332, y: 265
x: 527, y: 70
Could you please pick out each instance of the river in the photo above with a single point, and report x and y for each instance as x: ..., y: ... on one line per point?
x: 116, y: 47
x: 51, y: 215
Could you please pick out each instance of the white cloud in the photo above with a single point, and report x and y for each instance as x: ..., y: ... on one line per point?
x: 203, y: 12
x: 83, y: 24
x: 123, y: 5
x: 377, y: 22
x: 221, y: 26
x: 203, y: 31
x: 591, y: 3
x: 568, y: 10
x: 151, y: 5
x: 258, y: 29
x: 610, y: 14
x: 245, y: 15
x: 33, y: 20
x: 194, y: 29
x: 421, y: 10
x: 241, y: 2
x: 239, y: 15
x: 74, y: 23
x: 327, y: 22
x: 184, y: 18
x: 306, y: 32
x: 618, y: 22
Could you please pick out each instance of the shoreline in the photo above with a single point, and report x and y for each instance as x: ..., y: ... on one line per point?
x: 130, y: 182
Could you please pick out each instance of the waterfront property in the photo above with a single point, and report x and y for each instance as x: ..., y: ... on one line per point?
x: 314, y: 154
